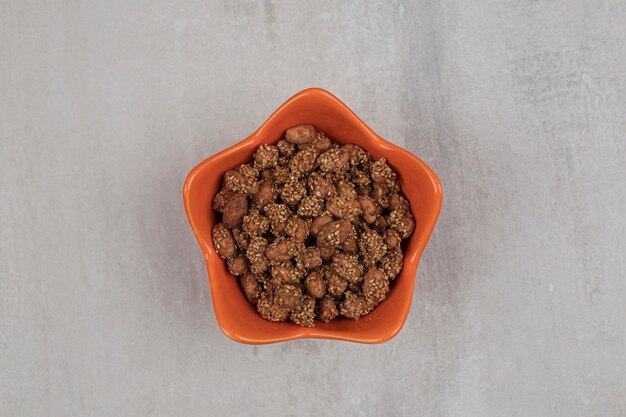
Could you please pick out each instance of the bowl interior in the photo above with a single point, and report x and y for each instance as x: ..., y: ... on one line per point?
x: 236, y: 316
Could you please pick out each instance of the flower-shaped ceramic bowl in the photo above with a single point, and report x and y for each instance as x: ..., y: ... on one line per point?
x: 239, y: 319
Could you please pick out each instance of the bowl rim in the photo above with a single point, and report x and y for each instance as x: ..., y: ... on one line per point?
x: 429, y: 220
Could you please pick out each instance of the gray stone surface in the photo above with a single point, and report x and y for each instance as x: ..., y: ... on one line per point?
x: 519, y: 106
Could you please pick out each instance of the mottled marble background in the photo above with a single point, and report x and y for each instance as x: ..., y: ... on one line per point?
x: 519, y: 106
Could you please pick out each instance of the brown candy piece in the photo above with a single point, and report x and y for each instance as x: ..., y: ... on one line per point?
x: 318, y: 223
x: 381, y: 172
x: 333, y: 160
x: 237, y: 265
x: 266, y: 156
x: 327, y: 309
x: 293, y: 192
x: 255, y: 224
x: 310, y: 207
x: 241, y: 238
x: 335, y: 284
x: 392, y: 239
x: 223, y: 241
x: 372, y: 246
x: 251, y: 287
x: 402, y: 222
x: 304, y: 312
x: 300, y: 134
x: 309, y: 258
x: 369, y: 209
x: 343, y: 208
x: 355, y: 306
x: 320, y: 187
x: 297, y: 229
x: 288, y: 295
x: 315, y: 285
x: 278, y: 215
x: 375, y: 285
x: 257, y: 261
x: 265, y: 195
x: 286, y: 273
x: 303, y: 162
x: 281, y: 251
x: 270, y: 309
x: 220, y: 199
x: 234, y: 210
x: 349, y: 267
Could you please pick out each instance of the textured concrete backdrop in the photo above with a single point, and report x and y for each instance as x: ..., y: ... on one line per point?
x: 519, y: 106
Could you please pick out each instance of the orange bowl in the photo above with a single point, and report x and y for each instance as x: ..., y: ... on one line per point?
x: 239, y: 319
